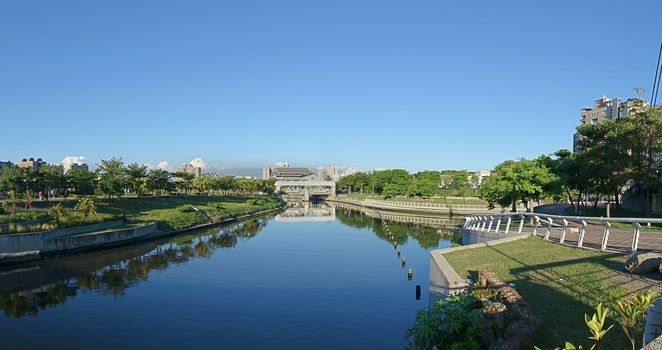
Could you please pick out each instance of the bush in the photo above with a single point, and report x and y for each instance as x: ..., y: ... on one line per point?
x: 452, y: 323
x: 187, y: 208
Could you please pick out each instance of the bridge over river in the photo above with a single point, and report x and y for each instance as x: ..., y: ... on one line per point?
x: 305, y: 190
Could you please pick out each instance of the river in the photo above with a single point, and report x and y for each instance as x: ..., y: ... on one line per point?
x: 312, y: 277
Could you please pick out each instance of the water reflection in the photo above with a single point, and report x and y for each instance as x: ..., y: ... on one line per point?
x: 26, y: 290
x: 401, y: 227
x: 306, y: 211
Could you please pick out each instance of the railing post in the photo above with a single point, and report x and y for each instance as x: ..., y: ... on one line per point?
x: 521, y: 223
x: 582, y: 231
x: 508, y: 223
x: 563, y: 232
x: 635, y: 237
x: 489, y: 227
x: 549, y: 229
x: 482, y: 228
x: 536, y: 223
x: 605, y: 236
x: 496, y: 229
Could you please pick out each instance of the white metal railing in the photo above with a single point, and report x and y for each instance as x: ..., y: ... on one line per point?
x: 425, y: 205
x: 543, y: 224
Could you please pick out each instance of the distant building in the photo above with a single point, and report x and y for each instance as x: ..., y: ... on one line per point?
x: 283, y: 171
x: 266, y: 173
x: 26, y: 163
x: 482, y: 174
x: 188, y: 168
x: 66, y: 167
x: 328, y: 172
x: 349, y: 171
x: 291, y: 173
x: 604, y: 109
x: 7, y: 164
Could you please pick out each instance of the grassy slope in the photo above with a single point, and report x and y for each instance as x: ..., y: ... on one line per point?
x: 165, y: 209
x: 560, y: 283
x: 162, y: 209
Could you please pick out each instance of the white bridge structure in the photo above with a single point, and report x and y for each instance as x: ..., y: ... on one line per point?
x: 304, y: 190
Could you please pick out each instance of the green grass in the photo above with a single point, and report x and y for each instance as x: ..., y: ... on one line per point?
x: 560, y: 283
x: 163, y: 210
x: 23, y: 215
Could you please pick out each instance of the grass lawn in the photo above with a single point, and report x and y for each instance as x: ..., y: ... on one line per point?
x: 560, y: 283
x: 171, y: 212
x: 23, y: 215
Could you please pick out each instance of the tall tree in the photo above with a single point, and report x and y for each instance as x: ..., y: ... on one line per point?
x: 136, y: 178
x: 516, y: 180
x: 111, y: 177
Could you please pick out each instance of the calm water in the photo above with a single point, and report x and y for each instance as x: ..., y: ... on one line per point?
x: 322, y: 278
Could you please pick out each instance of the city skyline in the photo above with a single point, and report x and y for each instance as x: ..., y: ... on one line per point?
x: 243, y: 86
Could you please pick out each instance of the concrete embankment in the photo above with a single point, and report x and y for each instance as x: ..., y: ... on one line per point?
x: 420, y: 207
x: 444, y: 280
x: 33, y: 246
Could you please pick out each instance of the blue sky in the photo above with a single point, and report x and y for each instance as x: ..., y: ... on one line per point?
x: 369, y: 84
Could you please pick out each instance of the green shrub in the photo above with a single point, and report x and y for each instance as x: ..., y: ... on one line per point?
x: 452, y: 323
x: 186, y: 208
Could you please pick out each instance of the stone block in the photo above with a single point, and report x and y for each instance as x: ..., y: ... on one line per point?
x: 639, y: 263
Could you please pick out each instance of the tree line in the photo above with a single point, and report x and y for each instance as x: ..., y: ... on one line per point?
x: 617, y: 156
x: 399, y: 182
x: 114, y: 178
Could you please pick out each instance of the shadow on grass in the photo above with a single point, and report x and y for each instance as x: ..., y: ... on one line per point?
x: 562, y: 291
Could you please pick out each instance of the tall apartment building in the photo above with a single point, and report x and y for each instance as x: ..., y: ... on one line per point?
x: 604, y: 109
x: 328, y: 172
x: 31, y: 163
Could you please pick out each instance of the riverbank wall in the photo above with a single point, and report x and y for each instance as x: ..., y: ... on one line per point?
x: 420, y: 207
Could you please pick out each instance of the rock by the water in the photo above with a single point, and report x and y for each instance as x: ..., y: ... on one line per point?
x: 643, y: 262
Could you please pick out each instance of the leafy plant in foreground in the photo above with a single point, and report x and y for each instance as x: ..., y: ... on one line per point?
x: 633, y: 310
x: 453, y: 323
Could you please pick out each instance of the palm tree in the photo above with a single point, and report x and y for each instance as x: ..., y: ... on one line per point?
x: 112, y: 177
x: 86, y: 207
x: 57, y: 213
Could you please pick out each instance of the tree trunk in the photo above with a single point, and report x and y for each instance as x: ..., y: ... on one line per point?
x: 647, y: 205
x: 569, y: 196
x: 514, y: 208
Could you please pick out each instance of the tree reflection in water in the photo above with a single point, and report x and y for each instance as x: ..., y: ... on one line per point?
x: 26, y: 291
x: 398, y: 232
x: 115, y: 278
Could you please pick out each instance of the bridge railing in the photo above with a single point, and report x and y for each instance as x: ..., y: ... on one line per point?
x: 619, y: 234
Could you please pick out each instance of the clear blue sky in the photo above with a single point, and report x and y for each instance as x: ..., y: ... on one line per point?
x: 411, y: 84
